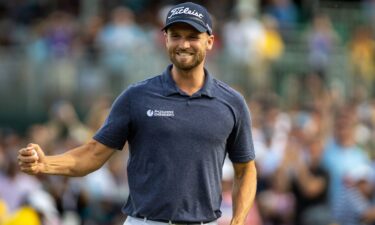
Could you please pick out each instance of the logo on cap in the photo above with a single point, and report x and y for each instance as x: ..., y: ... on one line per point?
x: 183, y: 10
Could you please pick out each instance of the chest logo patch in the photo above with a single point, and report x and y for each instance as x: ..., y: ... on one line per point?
x: 158, y: 113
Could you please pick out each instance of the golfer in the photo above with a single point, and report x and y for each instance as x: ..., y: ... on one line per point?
x: 180, y: 125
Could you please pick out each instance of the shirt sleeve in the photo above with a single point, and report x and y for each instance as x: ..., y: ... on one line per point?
x: 240, y: 145
x: 115, y: 130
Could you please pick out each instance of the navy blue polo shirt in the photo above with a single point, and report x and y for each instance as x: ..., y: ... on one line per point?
x: 177, y: 145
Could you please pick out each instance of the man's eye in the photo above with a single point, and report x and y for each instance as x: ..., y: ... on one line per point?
x: 175, y: 36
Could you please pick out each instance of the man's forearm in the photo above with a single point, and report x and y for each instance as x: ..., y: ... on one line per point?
x: 68, y: 163
x: 79, y: 161
x: 244, y: 189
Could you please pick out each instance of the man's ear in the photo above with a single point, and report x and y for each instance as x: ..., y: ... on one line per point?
x: 210, y: 42
x: 165, y: 35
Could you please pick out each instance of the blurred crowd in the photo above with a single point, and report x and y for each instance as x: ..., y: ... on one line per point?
x: 313, y: 131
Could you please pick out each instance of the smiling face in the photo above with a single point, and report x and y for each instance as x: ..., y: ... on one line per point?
x: 186, y: 46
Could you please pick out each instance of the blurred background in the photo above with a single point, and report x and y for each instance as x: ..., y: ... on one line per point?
x: 306, y: 67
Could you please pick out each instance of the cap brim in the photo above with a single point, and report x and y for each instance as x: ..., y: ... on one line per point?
x: 197, y: 26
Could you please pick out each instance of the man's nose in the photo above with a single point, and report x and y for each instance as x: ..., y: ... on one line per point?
x: 185, y: 43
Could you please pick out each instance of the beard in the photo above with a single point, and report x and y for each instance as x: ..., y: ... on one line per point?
x: 195, y: 59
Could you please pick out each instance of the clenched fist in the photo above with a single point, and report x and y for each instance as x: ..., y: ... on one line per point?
x: 31, y: 159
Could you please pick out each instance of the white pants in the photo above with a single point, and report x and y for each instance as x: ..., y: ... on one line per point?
x: 137, y: 221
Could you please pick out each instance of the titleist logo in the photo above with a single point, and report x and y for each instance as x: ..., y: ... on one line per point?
x: 183, y: 10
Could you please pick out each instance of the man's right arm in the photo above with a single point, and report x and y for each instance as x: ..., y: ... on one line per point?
x: 79, y: 161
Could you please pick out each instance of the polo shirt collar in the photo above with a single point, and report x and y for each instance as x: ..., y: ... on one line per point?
x: 170, y: 87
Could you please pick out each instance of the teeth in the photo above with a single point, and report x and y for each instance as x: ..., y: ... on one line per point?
x: 184, y: 54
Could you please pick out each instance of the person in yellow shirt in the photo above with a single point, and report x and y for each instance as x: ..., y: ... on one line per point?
x: 270, y: 49
x: 362, y: 59
x: 272, y: 46
x: 24, y: 216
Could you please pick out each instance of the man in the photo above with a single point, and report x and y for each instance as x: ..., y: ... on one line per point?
x: 179, y: 126
x: 342, y: 152
x: 356, y: 203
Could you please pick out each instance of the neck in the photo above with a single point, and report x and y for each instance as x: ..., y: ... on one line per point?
x: 189, y: 81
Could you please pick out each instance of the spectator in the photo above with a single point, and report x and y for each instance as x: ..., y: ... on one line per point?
x: 286, y: 14
x: 342, y: 152
x: 24, y: 215
x: 362, y: 60
x: 45, y: 206
x: 244, y: 48
x: 315, y: 94
x: 61, y: 37
x: 271, y: 49
x: 309, y: 181
x: 118, y: 41
x: 270, y: 138
x: 14, y: 186
x: 92, y: 80
x: 322, y: 38
x: 356, y: 204
x: 91, y: 30
x: 277, y: 203
x: 273, y: 44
